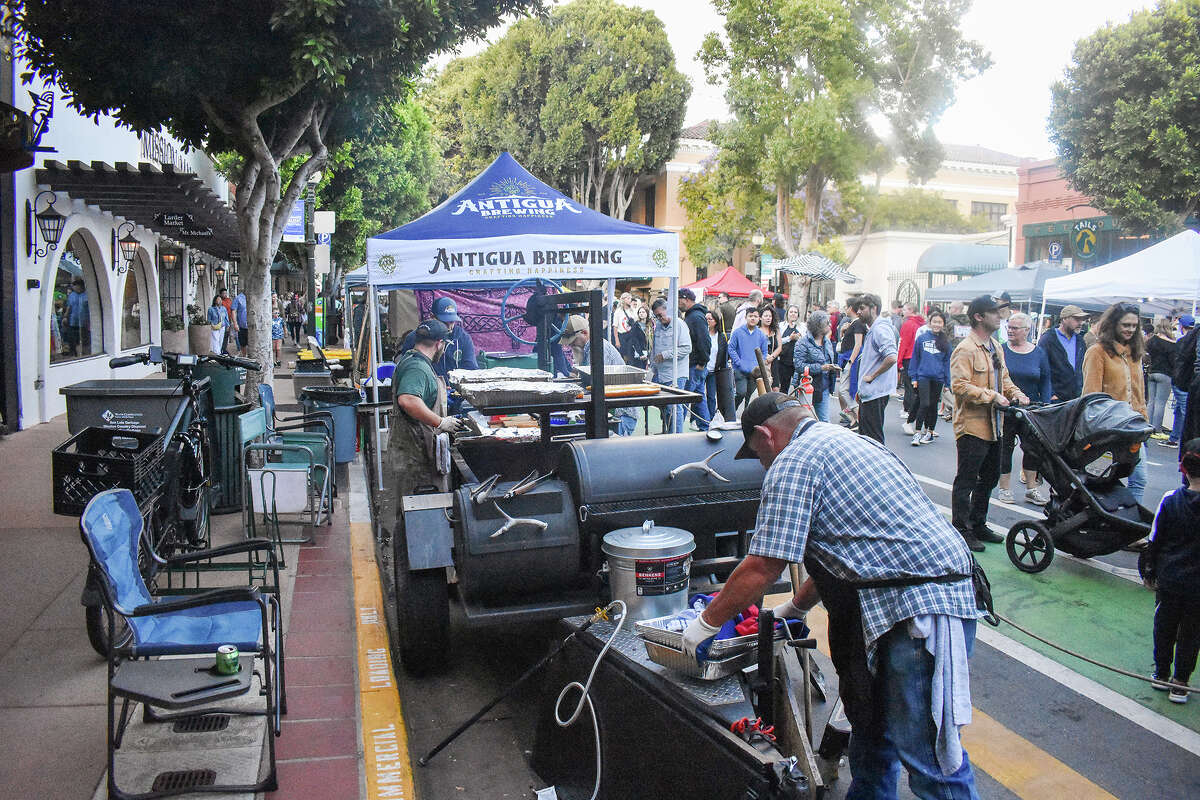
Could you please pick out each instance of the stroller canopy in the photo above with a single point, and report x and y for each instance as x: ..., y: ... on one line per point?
x: 1087, y: 419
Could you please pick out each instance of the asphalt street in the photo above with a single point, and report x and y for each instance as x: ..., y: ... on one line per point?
x: 1045, y: 725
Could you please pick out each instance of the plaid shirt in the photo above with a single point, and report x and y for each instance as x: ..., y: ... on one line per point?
x: 859, y: 509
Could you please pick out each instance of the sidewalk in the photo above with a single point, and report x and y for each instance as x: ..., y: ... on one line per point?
x: 52, y: 702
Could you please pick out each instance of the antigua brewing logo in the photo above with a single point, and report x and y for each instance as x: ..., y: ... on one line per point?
x: 659, y: 256
x: 513, y: 198
x: 387, y: 263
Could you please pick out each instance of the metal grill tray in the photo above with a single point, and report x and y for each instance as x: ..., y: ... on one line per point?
x: 651, y: 630
x: 709, y: 670
x: 614, y: 375
x: 720, y: 692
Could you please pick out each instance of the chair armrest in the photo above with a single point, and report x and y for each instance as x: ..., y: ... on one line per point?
x: 277, y: 448
x: 247, y: 546
x: 328, y: 427
x: 228, y: 595
x: 309, y: 415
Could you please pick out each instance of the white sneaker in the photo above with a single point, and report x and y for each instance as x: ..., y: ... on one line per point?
x: 902, y: 413
x: 934, y: 434
x: 927, y: 437
x: 917, y: 439
x: 1036, y: 497
x: 908, y: 428
x: 1006, y: 496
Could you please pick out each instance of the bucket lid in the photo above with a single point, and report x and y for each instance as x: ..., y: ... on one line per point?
x: 648, y: 541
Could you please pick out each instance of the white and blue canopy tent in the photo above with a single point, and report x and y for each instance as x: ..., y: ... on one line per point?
x: 506, y: 226
x: 1163, y: 278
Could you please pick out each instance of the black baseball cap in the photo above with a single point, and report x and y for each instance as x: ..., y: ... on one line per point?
x: 432, y: 330
x: 759, y: 410
x: 983, y: 304
x: 687, y: 294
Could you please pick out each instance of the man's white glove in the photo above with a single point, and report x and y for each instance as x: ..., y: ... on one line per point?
x: 449, y: 424
x: 697, y: 637
x: 788, y: 610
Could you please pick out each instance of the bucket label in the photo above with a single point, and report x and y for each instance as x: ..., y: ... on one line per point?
x: 661, y: 576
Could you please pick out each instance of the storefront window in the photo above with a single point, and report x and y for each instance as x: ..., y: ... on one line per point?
x: 134, y: 328
x: 76, y: 321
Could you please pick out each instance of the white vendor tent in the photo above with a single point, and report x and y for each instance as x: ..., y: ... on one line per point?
x: 1162, y: 278
x: 506, y: 226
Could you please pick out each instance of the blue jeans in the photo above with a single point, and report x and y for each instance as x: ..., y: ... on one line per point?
x: 822, y: 406
x: 905, y: 681
x: 697, y: 377
x: 1137, y: 478
x: 674, y: 415
x: 1180, y: 413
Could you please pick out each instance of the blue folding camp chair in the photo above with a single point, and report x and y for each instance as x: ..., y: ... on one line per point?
x: 195, y: 625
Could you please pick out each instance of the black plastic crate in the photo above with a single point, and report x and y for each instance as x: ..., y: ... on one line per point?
x: 97, y: 459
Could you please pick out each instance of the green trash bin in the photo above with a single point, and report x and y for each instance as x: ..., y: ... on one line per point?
x: 226, y: 496
x: 224, y: 381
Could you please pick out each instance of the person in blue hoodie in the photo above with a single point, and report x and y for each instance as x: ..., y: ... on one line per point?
x: 742, y: 344
x: 929, y: 371
x: 1170, y: 566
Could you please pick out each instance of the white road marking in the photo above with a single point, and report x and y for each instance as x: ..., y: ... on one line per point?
x: 1006, y: 506
x: 1131, y: 710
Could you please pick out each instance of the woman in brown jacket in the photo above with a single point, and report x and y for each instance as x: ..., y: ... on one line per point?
x: 1113, y: 365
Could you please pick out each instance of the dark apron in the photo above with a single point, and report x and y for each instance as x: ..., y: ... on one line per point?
x: 409, y: 462
x: 847, y: 649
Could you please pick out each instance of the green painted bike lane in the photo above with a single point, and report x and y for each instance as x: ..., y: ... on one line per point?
x: 1095, y: 613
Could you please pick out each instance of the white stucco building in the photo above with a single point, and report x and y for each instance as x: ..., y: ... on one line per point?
x: 76, y: 304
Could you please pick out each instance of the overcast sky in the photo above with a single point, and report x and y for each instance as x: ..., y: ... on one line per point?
x: 1004, y: 109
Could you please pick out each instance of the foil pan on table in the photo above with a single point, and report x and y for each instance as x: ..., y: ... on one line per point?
x: 708, y: 670
x: 461, y: 376
x: 654, y: 630
x: 515, y: 393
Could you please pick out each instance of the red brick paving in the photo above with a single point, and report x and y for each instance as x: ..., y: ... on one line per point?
x: 321, y: 702
x: 323, y: 778
x: 317, y: 739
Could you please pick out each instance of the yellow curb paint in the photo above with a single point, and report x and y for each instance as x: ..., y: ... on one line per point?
x: 384, y: 736
x: 1020, y: 766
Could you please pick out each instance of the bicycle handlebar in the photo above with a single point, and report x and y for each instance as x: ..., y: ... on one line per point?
x: 128, y: 361
x: 233, y: 361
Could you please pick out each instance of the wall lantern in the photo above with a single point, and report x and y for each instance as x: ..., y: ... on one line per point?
x: 219, y: 275
x: 49, y: 224
x: 129, y: 248
x: 169, y: 259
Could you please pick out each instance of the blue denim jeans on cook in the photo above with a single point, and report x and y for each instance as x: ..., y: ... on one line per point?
x: 676, y: 414
x: 697, y: 377
x: 906, y: 675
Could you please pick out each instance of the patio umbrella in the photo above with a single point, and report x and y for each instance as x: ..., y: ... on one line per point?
x: 814, y: 265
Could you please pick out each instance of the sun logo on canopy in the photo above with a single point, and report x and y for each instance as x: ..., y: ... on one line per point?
x: 512, y: 187
x: 659, y: 257
x: 387, y: 263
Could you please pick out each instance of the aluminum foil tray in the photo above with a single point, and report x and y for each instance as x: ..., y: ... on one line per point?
x: 652, y: 630
x: 710, y: 670
x: 615, y: 375
x: 516, y: 393
x: 461, y: 376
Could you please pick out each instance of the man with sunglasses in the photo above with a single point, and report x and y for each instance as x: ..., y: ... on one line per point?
x: 981, y: 386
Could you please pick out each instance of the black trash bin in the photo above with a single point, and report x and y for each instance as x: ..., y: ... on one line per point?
x: 145, y: 405
x: 226, y: 497
x: 339, y: 401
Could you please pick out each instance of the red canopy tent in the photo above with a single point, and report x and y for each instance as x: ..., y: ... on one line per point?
x: 730, y: 281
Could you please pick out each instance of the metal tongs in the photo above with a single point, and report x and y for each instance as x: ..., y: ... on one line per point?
x: 481, y: 494
x: 527, y: 483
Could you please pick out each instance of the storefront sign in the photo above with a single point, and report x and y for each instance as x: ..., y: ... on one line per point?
x: 173, y: 219
x: 1085, y: 238
x: 200, y: 232
x: 1064, y: 227
x: 157, y: 148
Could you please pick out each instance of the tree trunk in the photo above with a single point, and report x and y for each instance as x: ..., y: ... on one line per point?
x: 783, y: 217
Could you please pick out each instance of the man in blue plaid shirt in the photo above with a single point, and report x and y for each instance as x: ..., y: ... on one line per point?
x: 894, y: 577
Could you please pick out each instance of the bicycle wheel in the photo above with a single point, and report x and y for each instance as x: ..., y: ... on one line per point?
x: 191, y: 488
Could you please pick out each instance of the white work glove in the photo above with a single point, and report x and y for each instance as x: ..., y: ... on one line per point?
x: 449, y: 424
x: 788, y: 610
x: 697, y: 638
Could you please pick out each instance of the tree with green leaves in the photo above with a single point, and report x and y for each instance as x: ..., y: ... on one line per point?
x: 723, y: 211
x: 588, y: 99
x: 1125, y: 118
x: 802, y: 79
x: 922, y: 211
x: 273, y: 81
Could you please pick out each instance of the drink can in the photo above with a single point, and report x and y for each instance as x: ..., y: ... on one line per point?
x: 227, y: 659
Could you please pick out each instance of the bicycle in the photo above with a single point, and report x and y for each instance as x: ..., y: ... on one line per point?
x: 177, y: 515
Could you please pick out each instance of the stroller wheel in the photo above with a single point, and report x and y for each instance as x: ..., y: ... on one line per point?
x: 1030, y: 547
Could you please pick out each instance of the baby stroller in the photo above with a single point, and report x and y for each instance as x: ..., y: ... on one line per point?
x: 1083, y: 447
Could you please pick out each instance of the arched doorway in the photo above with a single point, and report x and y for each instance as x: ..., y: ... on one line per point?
x: 136, y: 305
x: 76, y: 307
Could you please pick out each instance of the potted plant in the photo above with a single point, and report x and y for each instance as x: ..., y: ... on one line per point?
x: 198, y: 331
x: 174, y: 339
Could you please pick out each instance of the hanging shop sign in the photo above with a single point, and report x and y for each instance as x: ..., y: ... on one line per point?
x: 293, y: 231
x: 196, y: 232
x: 170, y: 219
x: 1085, y: 238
